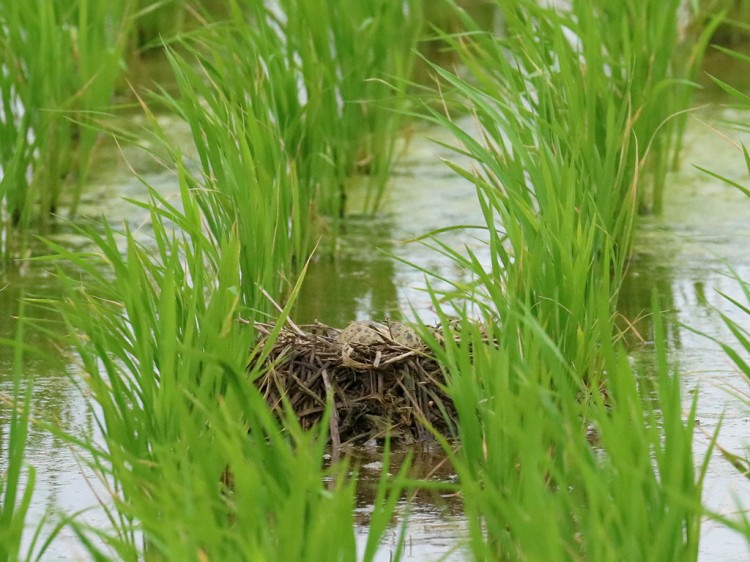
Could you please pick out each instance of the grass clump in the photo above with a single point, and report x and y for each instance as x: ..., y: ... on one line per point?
x: 199, y: 466
x: 559, y: 161
x: 15, y: 497
x: 345, y: 69
x: 651, y: 62
x: 556, y: 438
x: 556, y: 176
x: 603, y: 59
x: 601, y: 476
x: 60, y: 63
x: 326, y: 86
x: 282, y: 114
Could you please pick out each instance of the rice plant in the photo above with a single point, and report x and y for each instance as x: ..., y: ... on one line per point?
x: 199, y: 466
x: 59, y: 64
x: 550, y: 473
x: 18, y: 539
x: 556, y: 174
x: 348, y: 69
x: 738, y: 351
x: 14, y: 496
x: 282, y: 113
x: 247, y: 181
x: 556, y: 440
x: 615, y: 44
x: 328, y: 85
x: 659, y: 87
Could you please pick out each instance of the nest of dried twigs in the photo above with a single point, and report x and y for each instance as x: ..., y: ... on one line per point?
x: 376, y: 389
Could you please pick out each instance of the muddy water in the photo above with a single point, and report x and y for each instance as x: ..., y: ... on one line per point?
x: 685, y: 254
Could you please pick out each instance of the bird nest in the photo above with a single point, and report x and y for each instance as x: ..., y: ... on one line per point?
x: 384, y: 386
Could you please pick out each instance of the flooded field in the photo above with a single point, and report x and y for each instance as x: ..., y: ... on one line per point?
x: 685, y: 254
x: 581, y: 297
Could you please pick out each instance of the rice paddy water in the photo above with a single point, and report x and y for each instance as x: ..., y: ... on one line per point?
x: 682, y: 255
x: 147, y: 330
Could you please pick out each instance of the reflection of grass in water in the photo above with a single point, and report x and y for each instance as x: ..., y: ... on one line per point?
x: 738, y: 355
x: 358, y: 281
x: 17, y: 488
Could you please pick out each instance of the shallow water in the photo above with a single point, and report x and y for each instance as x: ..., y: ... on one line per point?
x: 685, y: 254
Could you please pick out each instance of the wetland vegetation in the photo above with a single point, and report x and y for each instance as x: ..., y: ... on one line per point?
x: 565, y: 120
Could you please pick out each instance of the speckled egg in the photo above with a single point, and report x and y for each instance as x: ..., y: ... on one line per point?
x: 363, y: 332
x: 404, y: 335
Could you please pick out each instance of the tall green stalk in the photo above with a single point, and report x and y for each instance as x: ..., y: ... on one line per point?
x: 15, y: 496
x: 21, y: 537
x: 60, y: 62
x: 199, y: 466
x: 556, y: 174
x: 556, y: 441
